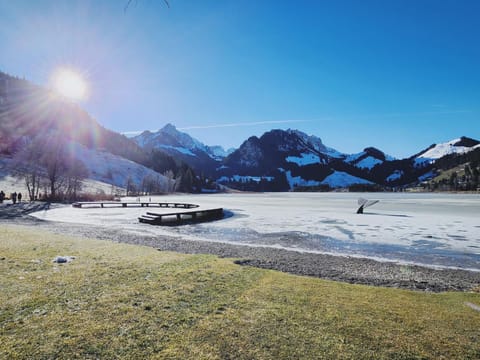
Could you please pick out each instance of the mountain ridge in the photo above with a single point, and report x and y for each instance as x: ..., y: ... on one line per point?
x: 287, y: 159
x: 278, y: 160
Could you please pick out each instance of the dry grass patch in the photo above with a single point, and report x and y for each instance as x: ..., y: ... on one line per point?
x: 125, y: 301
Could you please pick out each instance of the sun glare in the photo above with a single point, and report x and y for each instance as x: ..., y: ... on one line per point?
x: 70, y: 84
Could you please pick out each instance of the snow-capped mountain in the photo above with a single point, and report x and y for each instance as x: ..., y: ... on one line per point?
x: 173, y: 140
x: 287, y: 159
x: 284, y: 159
x: 182, y: 146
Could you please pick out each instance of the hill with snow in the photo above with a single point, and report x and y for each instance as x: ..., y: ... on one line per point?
x: 456, y: 146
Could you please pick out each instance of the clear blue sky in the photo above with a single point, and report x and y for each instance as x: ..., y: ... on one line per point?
x: 397, y: 75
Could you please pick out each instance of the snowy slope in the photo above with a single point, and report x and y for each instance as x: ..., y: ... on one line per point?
x: 455, y: 146
x: 112, y: 169
x: 342, y: 179
x: 397, y: 174
x: 369, y: 162
x: 294, y: 181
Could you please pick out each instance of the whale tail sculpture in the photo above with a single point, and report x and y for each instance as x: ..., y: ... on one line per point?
x: 365, y: 203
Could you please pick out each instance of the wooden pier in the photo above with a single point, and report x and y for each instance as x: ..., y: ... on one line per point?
x: 111, y: 204
x: 184, y: 217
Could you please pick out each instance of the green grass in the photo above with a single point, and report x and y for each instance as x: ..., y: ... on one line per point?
x: 133, y: 302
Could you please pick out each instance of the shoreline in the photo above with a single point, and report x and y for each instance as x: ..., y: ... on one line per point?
x: 354, y: 270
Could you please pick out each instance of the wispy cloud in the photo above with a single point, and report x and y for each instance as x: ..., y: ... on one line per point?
x: 225, y: 125
x: 239, y: 124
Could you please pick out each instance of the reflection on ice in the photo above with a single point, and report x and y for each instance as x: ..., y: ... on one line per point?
x: 432, y: 229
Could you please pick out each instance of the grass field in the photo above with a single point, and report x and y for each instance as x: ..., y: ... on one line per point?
x: 132, y: 302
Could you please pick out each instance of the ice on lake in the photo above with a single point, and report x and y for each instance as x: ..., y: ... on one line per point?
x: 431, y: 229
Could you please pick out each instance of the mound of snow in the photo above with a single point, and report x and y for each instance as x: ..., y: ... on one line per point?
x: 303, y: 159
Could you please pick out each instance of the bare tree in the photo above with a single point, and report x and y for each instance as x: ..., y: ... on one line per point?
x: 130, y: 186
x: 55, y: 162
x: 170, y: 179
x: 28, y: 165
x: 76, y: 173
x: 44, y: 162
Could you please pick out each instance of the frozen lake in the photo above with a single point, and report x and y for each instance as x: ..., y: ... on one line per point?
x: 431, y: 229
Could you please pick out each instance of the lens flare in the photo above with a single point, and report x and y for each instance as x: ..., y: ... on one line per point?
x: 69, y: 84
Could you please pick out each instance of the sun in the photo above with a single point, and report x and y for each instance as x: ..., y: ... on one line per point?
x: 70, y: 84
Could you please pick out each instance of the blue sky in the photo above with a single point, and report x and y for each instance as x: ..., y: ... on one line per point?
x: 397, y: 75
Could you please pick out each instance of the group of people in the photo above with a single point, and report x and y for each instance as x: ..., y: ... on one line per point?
x: 13, y: 196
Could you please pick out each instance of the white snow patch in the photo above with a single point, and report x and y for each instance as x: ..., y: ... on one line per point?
x: 333, y: 153
x: 443, y: 149
x: 181, y: 150
x: 368, y: 163
x: 342, y: 179
x: 299, y: 181
x: 217, y: 152
x: 353, y: 157
x: 397, y: 174
x: 304, y: 159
